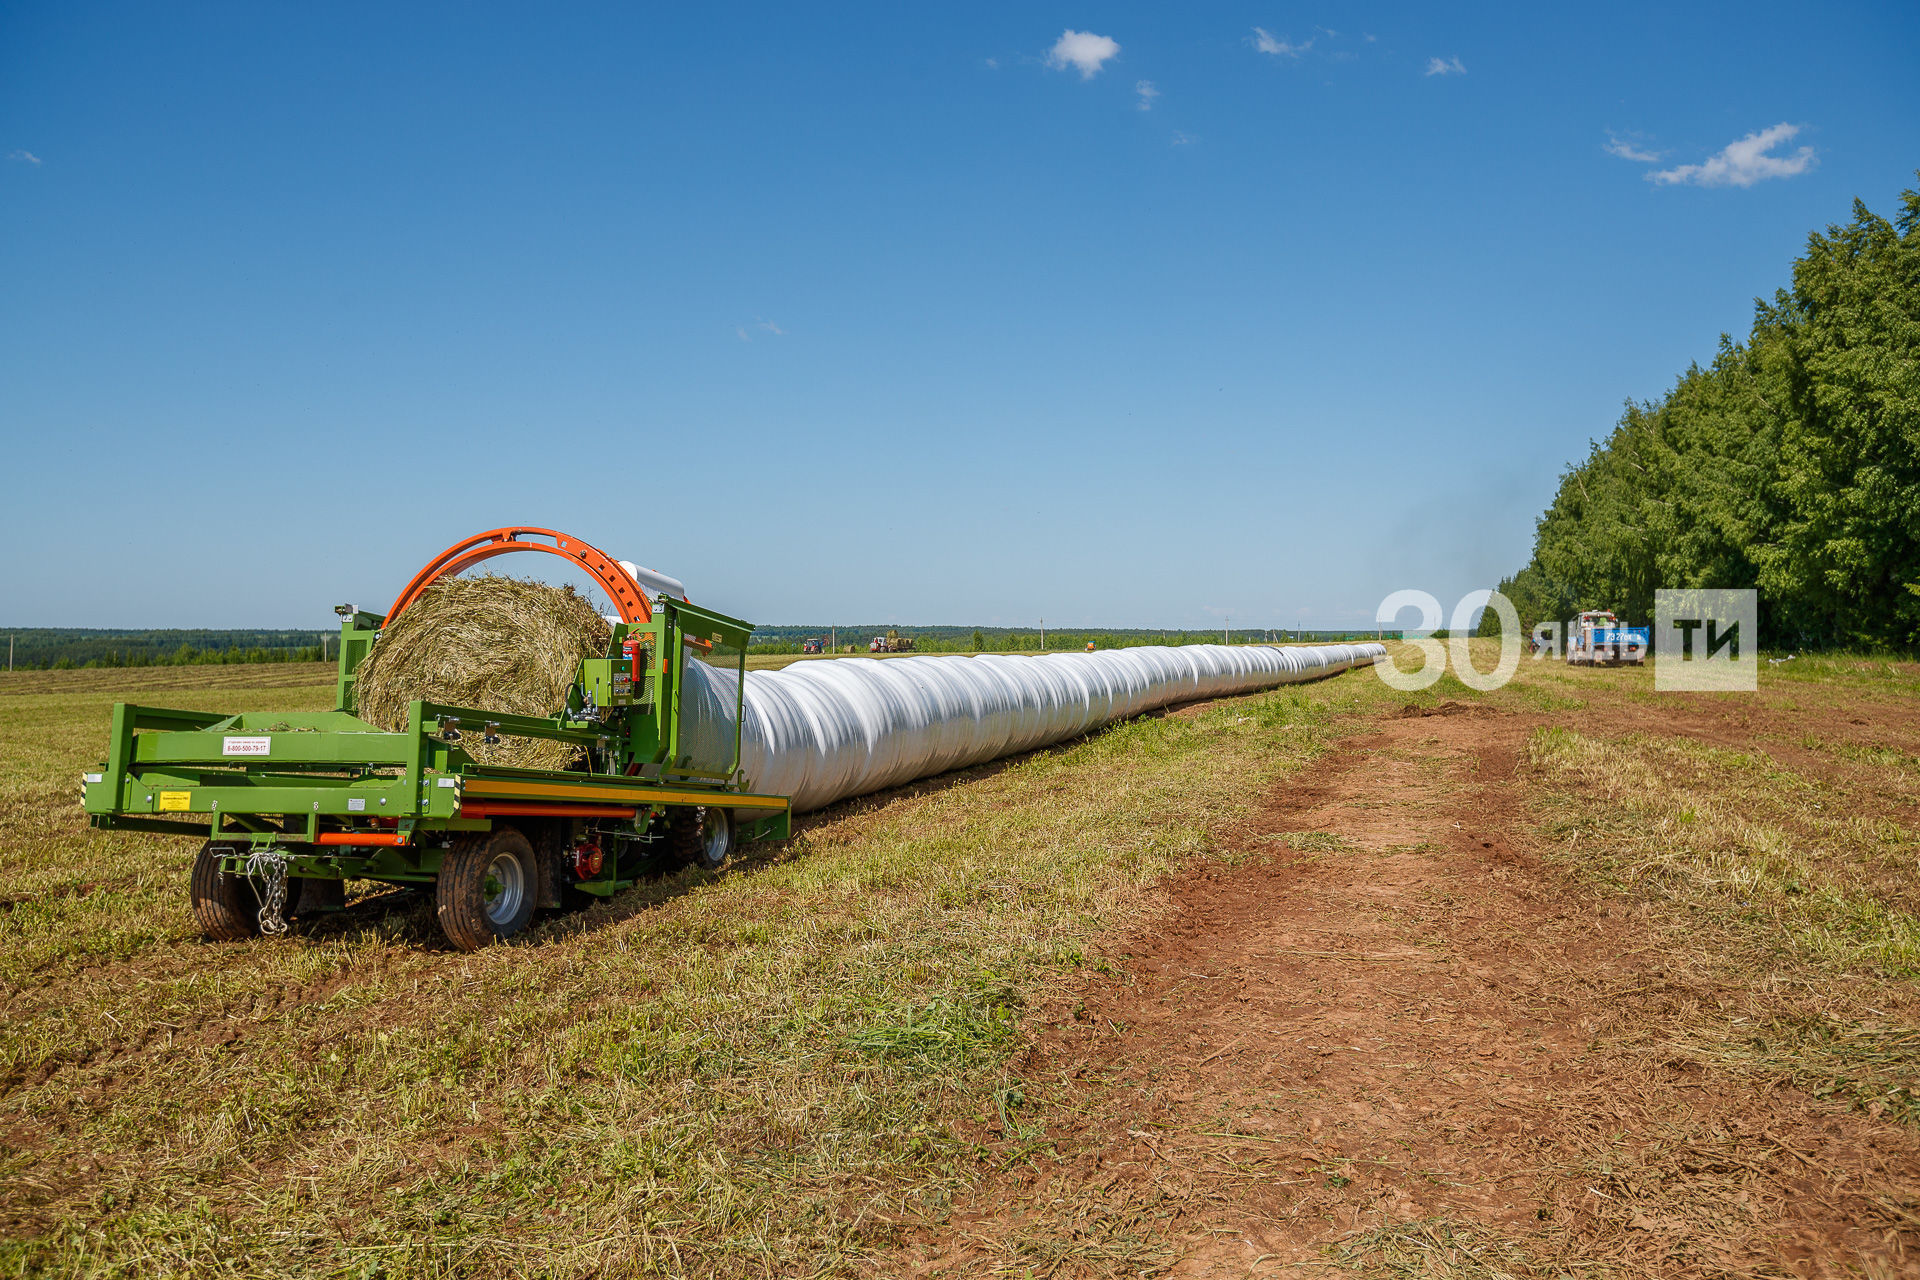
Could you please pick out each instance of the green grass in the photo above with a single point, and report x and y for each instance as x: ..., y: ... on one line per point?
x: 1860, y: 670
x: 1793, y: 918
x: 762, y: 1072
x: 777, y: 1070
x: 1734, y: 834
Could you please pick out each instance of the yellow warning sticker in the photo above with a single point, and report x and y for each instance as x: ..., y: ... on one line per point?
x: 176, y: 801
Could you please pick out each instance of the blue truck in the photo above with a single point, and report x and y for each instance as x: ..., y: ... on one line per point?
x: 1597, y: 637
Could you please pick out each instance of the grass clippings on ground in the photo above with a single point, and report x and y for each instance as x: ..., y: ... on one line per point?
x: 762, y: 1071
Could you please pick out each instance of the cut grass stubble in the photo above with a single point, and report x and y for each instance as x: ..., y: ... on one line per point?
x: 722, y: 1075
x: 1788, y: 894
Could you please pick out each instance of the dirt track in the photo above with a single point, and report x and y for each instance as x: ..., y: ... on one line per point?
x: 1393, y: 1029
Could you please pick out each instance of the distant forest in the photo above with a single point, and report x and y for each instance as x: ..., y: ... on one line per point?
x: 1003, y: 639
x: 1790, y: 465
x: 63, y: 648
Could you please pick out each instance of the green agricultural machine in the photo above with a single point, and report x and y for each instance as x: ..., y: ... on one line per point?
x: 291, y: 806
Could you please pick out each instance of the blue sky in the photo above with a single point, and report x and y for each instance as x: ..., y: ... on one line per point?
x: 1111, y: 314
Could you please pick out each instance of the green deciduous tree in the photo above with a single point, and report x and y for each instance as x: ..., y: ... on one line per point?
x: 1790, y: 464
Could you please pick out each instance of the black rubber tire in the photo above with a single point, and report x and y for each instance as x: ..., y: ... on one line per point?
x: 226, y: 907
x: 311, y: 897
x: 693, y: 840
x: 470, y: 916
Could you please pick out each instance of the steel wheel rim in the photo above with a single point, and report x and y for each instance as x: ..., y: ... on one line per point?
x: 505, y: 888
x: 715, y: 837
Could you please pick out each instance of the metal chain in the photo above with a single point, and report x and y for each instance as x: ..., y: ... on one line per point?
x: 271, y: 866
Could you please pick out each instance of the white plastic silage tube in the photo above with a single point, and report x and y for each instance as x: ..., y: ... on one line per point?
x: 825, y: 730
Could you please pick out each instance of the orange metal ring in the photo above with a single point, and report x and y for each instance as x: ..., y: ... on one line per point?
x: 627, y: 597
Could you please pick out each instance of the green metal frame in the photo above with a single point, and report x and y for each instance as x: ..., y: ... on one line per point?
x: 261, y: 779
x: 358, y: 630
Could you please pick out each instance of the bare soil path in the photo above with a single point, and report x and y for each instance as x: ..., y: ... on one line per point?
x: 1392, y: 1040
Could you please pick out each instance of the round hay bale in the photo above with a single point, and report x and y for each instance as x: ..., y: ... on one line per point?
x: 491, y: 643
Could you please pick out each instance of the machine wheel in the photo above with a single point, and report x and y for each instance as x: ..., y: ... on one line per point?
x: 226, y: 907
x: 486, y: 888
x: 701, y: 837
x: 311, y: 897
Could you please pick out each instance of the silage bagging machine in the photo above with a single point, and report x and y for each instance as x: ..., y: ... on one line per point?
x: 290, y: 806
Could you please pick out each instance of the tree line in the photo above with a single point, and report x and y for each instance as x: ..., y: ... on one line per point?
x: 776, y: 640
x: 1789, y: 465
x: 65, y: 648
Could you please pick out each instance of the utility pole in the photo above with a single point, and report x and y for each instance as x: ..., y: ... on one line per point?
x: 1226, y: 632
x: 833, y: 638
x: 9, y: 653
x: 1043, y: 635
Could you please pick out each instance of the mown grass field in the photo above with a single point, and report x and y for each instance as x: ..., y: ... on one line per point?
x: 752, y: 1073
x: 786, y: 1069
x: 1784, y: 854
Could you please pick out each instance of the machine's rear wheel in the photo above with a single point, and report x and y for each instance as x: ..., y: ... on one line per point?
x: 311, y: 896
x: 701, y: 837
x: 226, y: 907
x: 486, y: 888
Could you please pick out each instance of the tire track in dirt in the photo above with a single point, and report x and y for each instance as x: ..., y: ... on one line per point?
x: 1389, y: 1031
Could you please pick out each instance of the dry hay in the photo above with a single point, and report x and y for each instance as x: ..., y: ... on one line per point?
x: 491, y: 643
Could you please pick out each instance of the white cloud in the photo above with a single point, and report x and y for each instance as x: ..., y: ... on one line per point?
x: 25, y: 157
x: 993, y: 64
x: 1082, y: 49
x: 1183, y: 139
x: 1147, y: 94
x: 770, y: 327
x: 1266, y: 42
x: 1628, y: 149
x: 1446, y: 67
x: 1742, y: 163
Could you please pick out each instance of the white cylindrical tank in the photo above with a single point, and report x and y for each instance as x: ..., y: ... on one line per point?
x: 825, y: 730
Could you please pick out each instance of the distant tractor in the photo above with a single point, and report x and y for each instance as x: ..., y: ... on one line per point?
x: 892, y: 642
x: 813, y: 645
x: 1597, y: 637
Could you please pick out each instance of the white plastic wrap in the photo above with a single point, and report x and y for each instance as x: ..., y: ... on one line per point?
x: 824, y: 730
x: 654, y: 584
